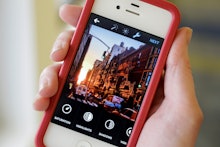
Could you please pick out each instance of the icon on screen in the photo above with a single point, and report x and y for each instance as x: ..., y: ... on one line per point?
x: 125, y: 31
x: 109, y: 124
x: 88, y: 116
x: 128, y: 131
x: 137, y: 35
x: 96, y: 20
x: 66, y: 109
x: 114, y: 27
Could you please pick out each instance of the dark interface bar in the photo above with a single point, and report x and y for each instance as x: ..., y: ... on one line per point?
x: 126, y: 30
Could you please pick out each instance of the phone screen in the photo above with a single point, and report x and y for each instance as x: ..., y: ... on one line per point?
x: 108, y: 79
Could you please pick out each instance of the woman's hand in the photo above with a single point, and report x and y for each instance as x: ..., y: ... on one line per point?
x: 175, y: 116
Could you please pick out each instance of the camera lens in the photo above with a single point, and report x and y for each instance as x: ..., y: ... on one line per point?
x: 118, y: 7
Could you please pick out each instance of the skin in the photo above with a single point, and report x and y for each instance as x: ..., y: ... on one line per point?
x: 175, y: 117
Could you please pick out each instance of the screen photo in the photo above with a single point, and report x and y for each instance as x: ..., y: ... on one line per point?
x: 114, y: 72
x: 107, y: 81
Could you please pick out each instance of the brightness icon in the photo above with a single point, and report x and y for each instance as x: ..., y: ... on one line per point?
x: 125, y: 31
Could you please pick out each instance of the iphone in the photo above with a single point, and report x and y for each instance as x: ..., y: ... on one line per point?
x: 110, y: 75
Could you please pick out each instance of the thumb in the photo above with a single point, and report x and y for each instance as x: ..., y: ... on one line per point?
x: 180, y: 102
x: 177, y: 121
x: 179, y: 84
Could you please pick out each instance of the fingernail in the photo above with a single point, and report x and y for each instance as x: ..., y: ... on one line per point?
x: 189, y: 34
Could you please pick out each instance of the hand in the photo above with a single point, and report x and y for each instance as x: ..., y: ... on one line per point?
x: 175, y: 116
x: 48, y: 83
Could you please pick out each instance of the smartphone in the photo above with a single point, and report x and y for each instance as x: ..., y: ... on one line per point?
x: 110, y: 75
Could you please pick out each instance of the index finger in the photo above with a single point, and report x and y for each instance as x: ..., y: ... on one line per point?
x: 70, y: 14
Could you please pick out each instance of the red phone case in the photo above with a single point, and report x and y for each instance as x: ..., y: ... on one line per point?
x: 168, y: 40
x: 142, y: 115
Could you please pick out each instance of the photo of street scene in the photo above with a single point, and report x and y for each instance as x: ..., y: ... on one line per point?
x: 111, y: 71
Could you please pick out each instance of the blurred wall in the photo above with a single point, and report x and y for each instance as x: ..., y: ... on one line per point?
x: 28, y: 29
x: 18, y: 73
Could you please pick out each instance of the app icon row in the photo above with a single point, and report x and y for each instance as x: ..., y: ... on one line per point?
x: 89, y: 116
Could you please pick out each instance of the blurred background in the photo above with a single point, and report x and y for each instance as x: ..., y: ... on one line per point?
x: 28, y: 29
